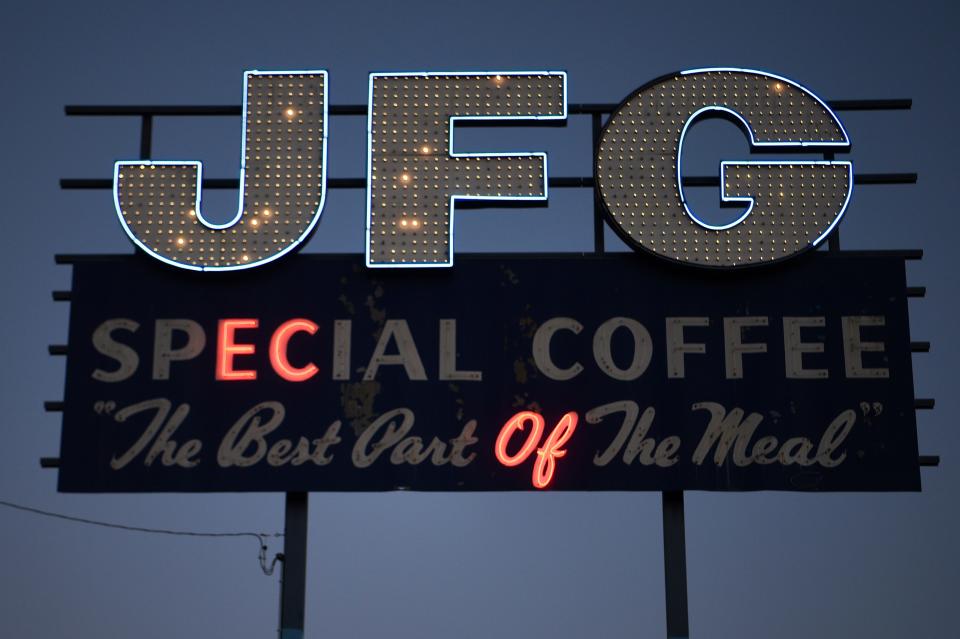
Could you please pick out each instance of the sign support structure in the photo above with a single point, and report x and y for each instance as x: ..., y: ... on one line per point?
x: 675, y: 565
x: 293, y: 576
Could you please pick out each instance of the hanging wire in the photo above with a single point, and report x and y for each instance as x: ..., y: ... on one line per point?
x: 260, y: 537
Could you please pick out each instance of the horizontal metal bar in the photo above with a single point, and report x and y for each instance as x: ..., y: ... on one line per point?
x: 61, y: 296
x: 884, y: 178
x: 896, y: 104
x: 49, y: 462
x: 73, y: 258
x: 57, y: 349
x: 348, y: 109
x: 557, y: 182
x: 924, y: 403
x: 919, y: 347
x: 344, y: 183
x: 95, y: 183
x: 905, y: 254
x: 141, y: 110
x: 571, y: 182
x: 701, y: 180
x: 930, y: 460
x: 916, y: 291
x: 588, y: 108
x: 573, y: 108
x: 53, y: 407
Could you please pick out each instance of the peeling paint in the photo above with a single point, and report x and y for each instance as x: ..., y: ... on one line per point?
x: 528, y: 325
x: 532, y: 371
x: 357, y: 402
x: 377, y: 315
x: 347, y: 304
x: 520, y: 371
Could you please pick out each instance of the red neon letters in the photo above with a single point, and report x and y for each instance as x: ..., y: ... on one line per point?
x: 278, y: 350
x: 547, y: 454
x: 228, y: 348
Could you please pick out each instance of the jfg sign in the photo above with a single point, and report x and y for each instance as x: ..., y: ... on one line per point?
x: 506, y: 373
x: 414, y: 178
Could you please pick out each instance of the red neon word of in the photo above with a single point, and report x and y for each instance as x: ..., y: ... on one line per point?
x: 227, y: 349
x: 278, y: 350
x: 547, y: 455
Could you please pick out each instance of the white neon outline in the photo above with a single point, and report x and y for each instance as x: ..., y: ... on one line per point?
x: 453, y: 119
x: 845, y: 143
x: 843, y: 208
x: 117, y: 167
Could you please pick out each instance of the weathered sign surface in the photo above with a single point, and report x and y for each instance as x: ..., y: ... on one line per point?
x: 507, y: 373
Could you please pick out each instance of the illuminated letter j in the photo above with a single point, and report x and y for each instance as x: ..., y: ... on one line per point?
x: 282, y: 183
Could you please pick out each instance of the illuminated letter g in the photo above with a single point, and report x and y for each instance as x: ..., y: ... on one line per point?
x: 789, y: 206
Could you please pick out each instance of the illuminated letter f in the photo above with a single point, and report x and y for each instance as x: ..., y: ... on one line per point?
x: 415, y: 176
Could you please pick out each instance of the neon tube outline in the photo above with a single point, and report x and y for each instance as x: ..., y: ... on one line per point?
x: 842, y: 144
x: 451, y: 205
x: 119, y: 165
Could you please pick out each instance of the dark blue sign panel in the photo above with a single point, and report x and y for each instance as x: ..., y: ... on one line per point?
x: 503, y: 373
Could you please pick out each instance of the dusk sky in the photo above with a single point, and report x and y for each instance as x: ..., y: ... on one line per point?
x: 474, y: 565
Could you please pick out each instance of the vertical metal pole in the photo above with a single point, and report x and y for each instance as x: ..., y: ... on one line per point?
x: 675, y: 565
x: 597, y: 206
x: 833, y: 242
x: 293, y: 577
x: 146, y: 137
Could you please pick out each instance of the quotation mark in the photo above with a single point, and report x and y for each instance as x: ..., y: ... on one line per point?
x: 104, y: 408
x: 867, y: 409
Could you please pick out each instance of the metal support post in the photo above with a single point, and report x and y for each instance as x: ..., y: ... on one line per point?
x: 146, y: 137
x: 675, y: 565
x: 833, y: 242
x: 597, y: 206
x: 293, y: 577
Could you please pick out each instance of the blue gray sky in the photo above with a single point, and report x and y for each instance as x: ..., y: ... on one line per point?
x: 476, y: 565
